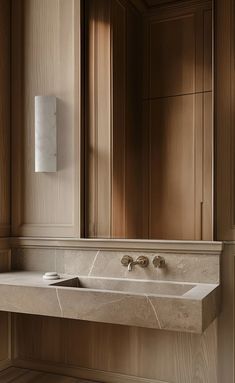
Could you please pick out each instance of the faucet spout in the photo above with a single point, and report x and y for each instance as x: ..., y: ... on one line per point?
x: 129, y: 267
x: 128, y: 261
x: 130, y: 264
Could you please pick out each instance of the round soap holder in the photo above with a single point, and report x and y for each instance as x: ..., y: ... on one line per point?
x: 51, y: 275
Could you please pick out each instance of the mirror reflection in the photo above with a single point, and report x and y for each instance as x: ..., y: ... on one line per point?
x: 148, y: 119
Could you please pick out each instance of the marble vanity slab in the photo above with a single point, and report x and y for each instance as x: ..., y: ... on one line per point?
x: 165, y: 305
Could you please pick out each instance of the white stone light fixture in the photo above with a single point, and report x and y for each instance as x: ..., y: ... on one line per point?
x: 45, y: 134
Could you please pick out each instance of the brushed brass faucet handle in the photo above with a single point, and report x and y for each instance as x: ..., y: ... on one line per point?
x: 142, y: 261
x: 159, y: 261
x: 126, y: 260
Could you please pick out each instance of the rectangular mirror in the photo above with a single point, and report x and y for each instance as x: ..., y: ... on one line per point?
x: 148, y: 119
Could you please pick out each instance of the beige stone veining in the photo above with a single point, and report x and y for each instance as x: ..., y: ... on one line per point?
x: 184, y: 267
x: 183, y: 296
x: 152, y: 304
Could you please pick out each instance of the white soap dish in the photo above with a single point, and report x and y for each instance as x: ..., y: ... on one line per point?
x: 50, y: 275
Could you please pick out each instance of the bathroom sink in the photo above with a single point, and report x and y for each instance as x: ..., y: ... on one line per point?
x: 128, y: 286
x: 167, y: 305
x: 162, y: 305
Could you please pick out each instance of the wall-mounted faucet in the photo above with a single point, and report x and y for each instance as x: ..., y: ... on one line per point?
x: 159, y: 261
x: 128, y: 261
x: 142, y: 261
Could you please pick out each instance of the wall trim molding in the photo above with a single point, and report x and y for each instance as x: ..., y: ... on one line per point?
x: 203, y: 247
x: 4, y: 364
x: 81, y: 372
x: 169, y: 5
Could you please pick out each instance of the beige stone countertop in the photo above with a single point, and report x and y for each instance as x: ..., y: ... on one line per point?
x: 29, y: 278
x: 163, y: 305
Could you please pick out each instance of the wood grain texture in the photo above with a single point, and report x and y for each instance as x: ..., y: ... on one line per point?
x: 5, y: 118
x: 113, y: 120
x: 173, y: 190
x: 44, y: 51
x: 127, y: 124
x: 98, y: 118
x: 224, y: 119
x: 154, y: 3
x: 156, y: 176
x: 226, y: 324
x: 120, y: 52
x: 135, y: 352
x: 178, y: 111
x: 172, y: 56
x: 20, y: 375
x: 134, y: 169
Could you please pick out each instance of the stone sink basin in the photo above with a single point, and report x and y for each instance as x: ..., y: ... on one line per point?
x: 189, y: 307
x: 163, y: 305
x: 131, y: 286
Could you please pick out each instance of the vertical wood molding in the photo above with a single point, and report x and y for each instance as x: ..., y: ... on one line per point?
x: 224, y: 187
x: 224, y: 119
x: 5, y: 118
x: 119, y: 51
x: 98, y: 118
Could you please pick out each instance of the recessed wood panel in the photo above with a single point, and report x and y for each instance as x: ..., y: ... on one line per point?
x: 180, y: 45
x: 180, y: 158
x: 172, y: 56
x: 5, y: 118
x: 178, y: 110
x: 173, y: 168
x: 45, y: 55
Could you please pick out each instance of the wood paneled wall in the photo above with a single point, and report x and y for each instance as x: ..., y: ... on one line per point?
x: 5, y: 219
x: 149, y: 121
x: 5, y: 164
x: 45, y: 57
x: 177, y: 357
x: 224, y: 120
x: 112, y: 353
x: 127, y: 185
x: 113, y: 120
x: 224, y: 191
x: 178, y: 107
